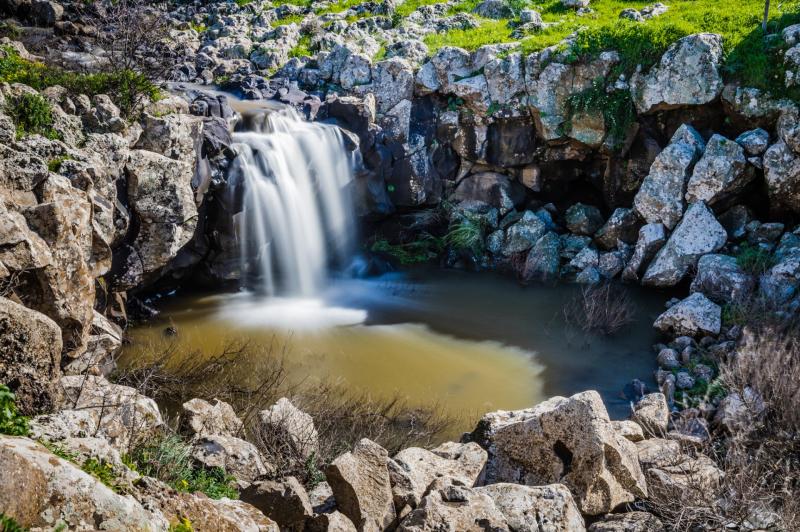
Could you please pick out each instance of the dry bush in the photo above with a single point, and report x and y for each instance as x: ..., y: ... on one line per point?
x: 604, y: 308
x: 760, y: 455
x: 341, y: 417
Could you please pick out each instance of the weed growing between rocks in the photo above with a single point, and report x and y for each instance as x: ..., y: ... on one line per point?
x: 615, y: 106
x: 605, y: 309
x: 32, y: 114
x: 757, y: 444
x: 9, y: 524
x: 11, y: 422
x: 754, y: 260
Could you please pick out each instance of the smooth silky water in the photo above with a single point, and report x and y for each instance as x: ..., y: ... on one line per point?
x: 465, y: 343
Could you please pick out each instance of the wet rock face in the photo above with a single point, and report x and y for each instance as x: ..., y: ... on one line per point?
x: 568, y: 440
x: 30, y: 357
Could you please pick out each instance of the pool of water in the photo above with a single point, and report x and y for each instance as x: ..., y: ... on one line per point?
x: 469, y: 343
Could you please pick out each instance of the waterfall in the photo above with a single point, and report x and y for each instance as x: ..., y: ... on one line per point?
x: 296, y: 219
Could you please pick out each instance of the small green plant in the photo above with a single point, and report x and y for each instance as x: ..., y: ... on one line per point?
x: 9, y: 524
x: 302, y: 48
x: 313, y: 472
x: 616, y: 106
x: 54, y: 165
x: 104, y: 472
x: 32, y: 114
x: 11, y: 422
x: 754, y: 260
x: 214, y: 482
x: 184, y: 525
x: 60, y: 451
x: 199, y: 27
x: 467, y: 235
x: 424, y: 249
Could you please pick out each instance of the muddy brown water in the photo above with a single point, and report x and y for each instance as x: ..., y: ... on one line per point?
x: 469, y: 343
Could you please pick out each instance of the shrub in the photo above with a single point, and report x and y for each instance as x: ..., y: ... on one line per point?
x: 184, y: 525
x: 754, y: 260
x: 11, y: 422
x: 760, y: 456
x: 605, y: 309
x: 104, y: 472
x: 32, y: 114
x: 615, y: 106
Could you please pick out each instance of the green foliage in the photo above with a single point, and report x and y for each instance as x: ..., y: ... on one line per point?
x: 199, y: 27
x: 489, y: 32
x: 168, y: 458
x: 735, y: 314
x: 313, y: 472
x: 184, y: 525
x: 616, y: 107
x: 424, y: 249
x: 754, y: 260
x: 9, y: 524
x: 467, y: 235
x: 125, y: 87
x: 54, y: 165
x: 60, y: 451
x: 104, y: 472
x: 11, y: 422
x: 303, y: 47
x: 32, y: 114
x: 10, y: 30
x: 290, y: 19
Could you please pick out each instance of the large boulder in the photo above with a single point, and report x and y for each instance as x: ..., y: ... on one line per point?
x: 498, y: 190
x: 236, y: 456
x: 720, y: 174
x: 450, y: 506
x: 42, y: 491
x: 536, y: 508
x: 162, y: 199
x: 651, y: 238
x: 30, y: 357
x: 687, y: 74
x: 661, y: 196
x: 522, y: 235
x: 782, y: 174
x: 414, y: 469
x: 698, y: 234
x: 564, y: 440
x: 652, y: 413
x: 622, y: 226
x: 694, y: 316
x: 285, y: 502
x: 92, y: 405
x: 542, y: 263
x: 362, y: 487
x: 722, y: 280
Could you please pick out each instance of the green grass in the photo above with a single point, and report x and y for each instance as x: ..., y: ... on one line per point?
x: 9, y: 524
x: 467, y: 235
x: 425, y: 249
x: 302, y: 48
x: 184, y: 525
x: 754, y: 260
x: 616, y: 106
x: 168, y: 458
x: 104, y: 472
x: 748, y: 58
x: 11, y: 422
x: 32, y: 114
x: 125, y: 87
x: 291, y: 19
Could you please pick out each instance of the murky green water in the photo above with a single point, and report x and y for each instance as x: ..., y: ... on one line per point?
x: 470, y: 343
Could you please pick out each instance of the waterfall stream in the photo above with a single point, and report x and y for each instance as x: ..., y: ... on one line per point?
x: 297, y: 216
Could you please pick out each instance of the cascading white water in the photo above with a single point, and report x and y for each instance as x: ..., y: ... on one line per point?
x: 297, y: 214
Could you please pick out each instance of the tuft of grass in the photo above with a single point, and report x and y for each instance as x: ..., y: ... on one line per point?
x: 302, y: 48
x: 167, y: 457
x: 467, y: 235
x: 104, y: 472
x: 604, y: 309
x: 54, y: 165
x: 9, y: 524
x: 424, y: 249
x: 754, y: 260
x: 11, y: 422
x: 32, y: 114
x: 616, y: 107
x: 184, y: 525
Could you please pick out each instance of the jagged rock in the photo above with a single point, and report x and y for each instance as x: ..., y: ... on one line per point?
x: 586, y: 258
x: 652, y: 413
x: 651, y: 238
x: 41, y: 490
x: 104, y: 116
x: 237, y: 457
x: 495, y: 9
x: 623, y: 225
x: 542, y: 263
x: 285, y: 501
x: 628, y: 429
x: 782, y: 173
x: 536, y: 508
x: 668, y: 359
x: 697, y: 234
x: 449, y: 506
x: 722, y: 280
x: 565, y: 440
x: 523, y: 235
x: 687, y: 74
x: 392, y: 82
x: 505, y: 78
x: 628, y: 522
x: 661, y: 196
x: 102, y: 348
x: 30, y: 357
x: 413, y: 470
x: 754, y: 142
x: 498, y: 190
x: 583, y: 219
x: 201, y: 418
x: 735, y: 221
x: 694, y: 316
x: 172, y: 135
x: 161, y: 196
x: 293, y: 425
x: 698, y: 474
x: 720, y: 174
x: 658, y: 452
x: 94, y: 406
x: 361, y: 485
x: 330, y: 522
